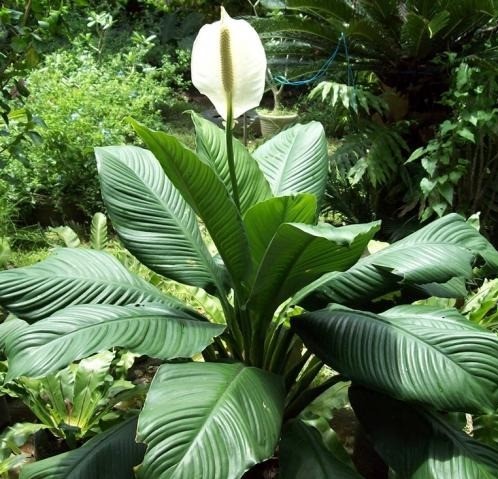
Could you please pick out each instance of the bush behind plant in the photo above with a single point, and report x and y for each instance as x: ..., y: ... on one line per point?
x: 83, y: 102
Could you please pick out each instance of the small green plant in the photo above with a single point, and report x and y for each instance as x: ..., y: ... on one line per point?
x: 101, y: 22
x: 23, y: 28
x: 460, y: 163
x: 98, y: 233
x: 76, y: 402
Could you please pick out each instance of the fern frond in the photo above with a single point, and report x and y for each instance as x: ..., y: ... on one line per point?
x: 376, y: 151
x: 350, y: 97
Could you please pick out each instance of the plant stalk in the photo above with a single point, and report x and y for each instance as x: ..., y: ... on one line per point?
x: 230, y: 158
x: 305, y: 398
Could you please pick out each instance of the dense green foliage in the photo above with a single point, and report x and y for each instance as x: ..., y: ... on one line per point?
x: 257, y: 371
x: 84, y: 102
x: 406, y: 56
x: 263, y: 323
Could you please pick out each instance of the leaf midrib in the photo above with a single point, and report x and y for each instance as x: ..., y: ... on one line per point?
x: 106, y: 322
x: 285, y: 165
x: 146, y: 288
x: 199, y: 248
x: 415, y: 338
x: 209, y: 419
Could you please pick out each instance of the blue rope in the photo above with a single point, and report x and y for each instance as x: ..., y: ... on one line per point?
x: 323, y: 69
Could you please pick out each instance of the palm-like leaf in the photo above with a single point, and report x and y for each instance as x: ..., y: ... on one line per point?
x: 413, y: 353
x: 296, y: 161
x: 432, y: 449
x: 201, y: 187
x: 220, y: 419
x: 74, y: 276
x: 110, y: 455
x: 79, y: 331
x: 152, y: 218
x: 211, y: 147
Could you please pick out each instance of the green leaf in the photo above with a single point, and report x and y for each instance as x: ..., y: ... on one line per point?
x: 74, y: 276
x: 4, y: 251
x: 438, y: 252
x: 431, y: 448
x: 220, y: 420
x: 68, y: 235
x: 262, y: 220
x: 206, y: 194
x: 485, y: 428
x: 109, y: 455
x: 296, y: 160
x: 16, y: 436
x: 151, y: 217
x: 413, y: 353
x: 438, y: 22
x: 303, y: 455
x: 415, y: 35
x: 299, y: 254
x: 79, y: 331
x: 98, y: 231
x: 466, y: 134
x: 91, y: 378
x: 9, y: 326
x: 211, y: 147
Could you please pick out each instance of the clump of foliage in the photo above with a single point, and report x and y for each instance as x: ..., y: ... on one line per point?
x: 461, y: 162
x: 78, y: 401
x: 84, y: 101
x: 23, y: 26
x: 404, y: 47
x: 404, y: 366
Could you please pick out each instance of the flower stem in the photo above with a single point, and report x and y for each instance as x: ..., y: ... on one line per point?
x: 231, y: 162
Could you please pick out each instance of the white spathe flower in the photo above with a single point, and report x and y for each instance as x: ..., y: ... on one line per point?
x: 229, y: 65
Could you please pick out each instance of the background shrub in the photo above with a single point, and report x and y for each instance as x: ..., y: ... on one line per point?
x: 83, y: 102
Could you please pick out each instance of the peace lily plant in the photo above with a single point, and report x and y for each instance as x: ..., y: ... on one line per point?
x: 256, y: 391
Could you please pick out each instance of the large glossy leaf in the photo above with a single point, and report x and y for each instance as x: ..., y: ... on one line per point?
x: 262, y: 220
x: 413, y: 353
x: 74, y: 276
x: 303, y: 455
x: 418, y: 443
x: 209, y: 420
x: 299, y: 253
x: 430, y: 258
x: 79, y: 331
x: 110, y: 455
x: 211, y: 147
x: 207, y: 195
x: 296, y: 161
x: 151, y: 217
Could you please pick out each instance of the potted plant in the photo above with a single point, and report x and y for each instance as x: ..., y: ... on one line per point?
x: 272, y: 121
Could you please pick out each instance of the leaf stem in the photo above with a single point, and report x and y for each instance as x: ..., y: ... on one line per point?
x: 230, y: 157
x: 307, y: 396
